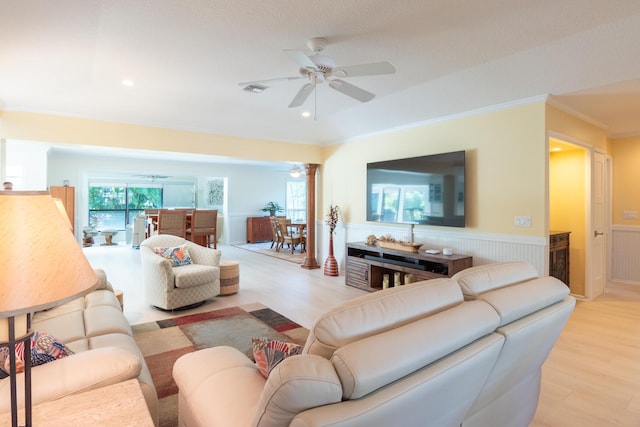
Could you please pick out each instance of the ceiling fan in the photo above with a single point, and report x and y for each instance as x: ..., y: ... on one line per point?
x: 152, y: 178
x: 318, y: 68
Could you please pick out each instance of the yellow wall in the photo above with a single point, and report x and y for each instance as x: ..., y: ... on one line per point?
x: 69, y: 130
x: 505, y: 176
x: 565, y: 124
x: 567, y: 208
x: 625, y: 153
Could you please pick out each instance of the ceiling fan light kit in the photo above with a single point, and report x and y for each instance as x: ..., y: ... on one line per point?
x: 296, y: 171
x: 255, y: 88
x: 317, y: 68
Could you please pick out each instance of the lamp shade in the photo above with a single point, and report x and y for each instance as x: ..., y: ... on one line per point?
x: 41, y: 264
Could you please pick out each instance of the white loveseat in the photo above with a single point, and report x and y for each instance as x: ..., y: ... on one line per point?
x: 168, y: 287
x: 446, y: 352
x: 97, y: 331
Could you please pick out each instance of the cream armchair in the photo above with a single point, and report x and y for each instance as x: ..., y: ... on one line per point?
x: 169, y: 287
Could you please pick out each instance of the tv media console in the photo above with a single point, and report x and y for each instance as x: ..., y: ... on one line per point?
x: 366, y: 265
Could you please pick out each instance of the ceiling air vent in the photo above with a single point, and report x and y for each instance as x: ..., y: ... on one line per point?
x: 255, y: 88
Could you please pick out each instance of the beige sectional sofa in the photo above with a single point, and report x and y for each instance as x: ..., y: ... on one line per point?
x: 447, y: 352
x: 98, y: 333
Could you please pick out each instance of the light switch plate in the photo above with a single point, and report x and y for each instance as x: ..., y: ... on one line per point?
x: 522, y: 221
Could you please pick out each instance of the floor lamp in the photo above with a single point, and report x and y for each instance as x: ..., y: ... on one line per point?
x: 41, y: 266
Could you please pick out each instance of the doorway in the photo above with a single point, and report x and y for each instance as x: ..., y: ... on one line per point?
x: 578, y: 203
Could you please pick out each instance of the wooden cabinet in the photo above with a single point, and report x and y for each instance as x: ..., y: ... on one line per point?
x: 366, y: 265
x: 559, y: 255
x: 258, y: 229
x: 67, y: 195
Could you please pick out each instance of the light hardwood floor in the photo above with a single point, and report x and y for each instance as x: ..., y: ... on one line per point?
x: 591, y: 378
x: 301, y: 295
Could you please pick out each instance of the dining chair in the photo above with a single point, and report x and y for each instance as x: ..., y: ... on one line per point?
x: 275, y: 234
x: 172, y: 222
x: 203, y: 225
x: 287, y: 236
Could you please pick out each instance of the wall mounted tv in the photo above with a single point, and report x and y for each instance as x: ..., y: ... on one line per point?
x: 425, y: 190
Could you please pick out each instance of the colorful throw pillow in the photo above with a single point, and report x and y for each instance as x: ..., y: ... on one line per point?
x: 44, y: 349
x: 178, y: 255
x: 268, y: 353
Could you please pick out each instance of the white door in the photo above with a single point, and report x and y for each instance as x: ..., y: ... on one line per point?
x: 600, y: 218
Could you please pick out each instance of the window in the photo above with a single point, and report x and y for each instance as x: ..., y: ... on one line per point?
x: 296, y: 204
x: 405, y: 203
x: 115, y: 206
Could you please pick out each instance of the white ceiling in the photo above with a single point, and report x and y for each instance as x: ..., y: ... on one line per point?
x: 187, y: 58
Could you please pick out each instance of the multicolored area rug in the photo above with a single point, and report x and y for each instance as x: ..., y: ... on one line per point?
x: 265, y: 249
x: 164, y: 341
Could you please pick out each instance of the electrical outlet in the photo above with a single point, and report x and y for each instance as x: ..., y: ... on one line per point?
x: 630, y: 214
x: 522, y: 221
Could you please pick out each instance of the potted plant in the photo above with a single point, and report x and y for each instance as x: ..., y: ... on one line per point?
x: 272, y: 208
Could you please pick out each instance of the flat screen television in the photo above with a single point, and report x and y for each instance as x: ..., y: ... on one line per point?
x: 425, y: 190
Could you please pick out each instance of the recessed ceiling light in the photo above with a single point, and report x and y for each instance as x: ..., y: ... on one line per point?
x: 556, y: 149
x: 306, y: 114
x: 127, y: 82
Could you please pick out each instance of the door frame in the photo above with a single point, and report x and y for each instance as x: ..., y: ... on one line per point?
x: 589, y: 219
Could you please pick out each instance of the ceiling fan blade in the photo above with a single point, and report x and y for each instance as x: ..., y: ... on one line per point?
x: 351, y: 90
x: 371, y: 69
x: 300, y: 58
x: 302, y: 95
x: 279, y: 79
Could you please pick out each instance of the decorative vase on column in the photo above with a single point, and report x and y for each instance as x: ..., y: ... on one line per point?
x: 330, y: 264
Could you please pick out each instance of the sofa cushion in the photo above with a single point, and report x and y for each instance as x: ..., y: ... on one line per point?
x: 73, y: 305
x: 178, y: 255
x: 378, y: 312
x: 295, y: 385
x: 373, y: 362
x: 105, y: 319
x: 65, y: 325
x: 268, y: 353
x: 219, y: 386
x: 101, y: 297
x: 193, y: 275
x: 514, y: 302
x: 480, y: 279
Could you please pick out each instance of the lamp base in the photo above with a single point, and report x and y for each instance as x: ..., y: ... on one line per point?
x: 13, y: 371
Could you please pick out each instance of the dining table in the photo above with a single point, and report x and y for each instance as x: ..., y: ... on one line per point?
x: 298, y: 228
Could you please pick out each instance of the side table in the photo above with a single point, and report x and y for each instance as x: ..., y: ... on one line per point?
x: 116, y: 405
x: 108, y: 236
x: 229, y: 277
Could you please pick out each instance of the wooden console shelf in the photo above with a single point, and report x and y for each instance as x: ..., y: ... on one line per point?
x: 258, y: 229
x: 366, y: 265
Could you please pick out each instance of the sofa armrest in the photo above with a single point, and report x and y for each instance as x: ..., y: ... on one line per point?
x: 156, y: 270
x: 79, y: 372
x: 103, y: 283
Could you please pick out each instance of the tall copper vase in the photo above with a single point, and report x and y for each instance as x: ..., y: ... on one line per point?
x: 330, y: 264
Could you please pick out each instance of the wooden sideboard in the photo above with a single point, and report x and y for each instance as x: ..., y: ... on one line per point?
x: 559, y: 255
x: 258, y: 229
x: 67, y: 195
x: 366, y: 265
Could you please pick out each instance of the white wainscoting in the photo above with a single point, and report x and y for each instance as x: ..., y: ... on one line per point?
x: 483, y: 247
x: 625, y: 254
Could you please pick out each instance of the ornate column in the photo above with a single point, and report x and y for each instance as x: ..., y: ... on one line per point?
x: 310, y: 258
